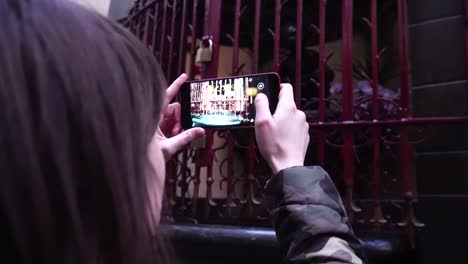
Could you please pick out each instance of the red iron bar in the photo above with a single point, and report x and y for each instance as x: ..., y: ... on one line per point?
x: 323, y: 57
x: 135, y: 16
x: 138, y: 9
x: 184, y: 177
x: 321, y: 85
x: 235, y: 46
x: 251, y: 174
x: 207, y: 161
x: 196, y: 189
x: 172, y: 41
x: 373, y: 24
x: 297, y: 94
x: 276, y: 37
x: 138, y: 21
x: 162, y: 46
x: 258, y: 6
x: 183, y: 39
x: 230, y: 175
x: 347, y: 43
x: 147, y: 24
x: 155, y: 27
x: 209, y: 190
x: 235, y: 65
x: 132, y: 19
x: 180, y: 69
x: 375, y: 60
x: 171, y: 180
x: 212, y: 29
x: 194, y: 38
x: 347, y: 101
x: 399, y: 122
x: 404, y: 95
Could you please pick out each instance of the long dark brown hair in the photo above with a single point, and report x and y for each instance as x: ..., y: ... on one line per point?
x: 79, y: 100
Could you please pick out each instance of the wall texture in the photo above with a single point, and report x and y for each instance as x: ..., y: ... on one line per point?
x: 440, y: 89
x: 102, y: 6
x: 119, y: 8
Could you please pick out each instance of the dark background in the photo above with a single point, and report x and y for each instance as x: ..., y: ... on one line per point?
x: 439, y: 89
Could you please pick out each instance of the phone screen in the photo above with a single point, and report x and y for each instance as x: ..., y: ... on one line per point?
x: 226, y: 102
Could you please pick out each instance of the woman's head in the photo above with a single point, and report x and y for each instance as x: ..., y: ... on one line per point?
x: 80, y: 99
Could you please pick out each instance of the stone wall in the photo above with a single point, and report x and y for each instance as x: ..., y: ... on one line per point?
x: 437, y: 48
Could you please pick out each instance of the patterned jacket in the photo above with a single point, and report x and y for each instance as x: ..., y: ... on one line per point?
x: 309, y: 218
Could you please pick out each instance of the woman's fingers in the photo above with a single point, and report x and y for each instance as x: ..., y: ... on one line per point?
x: 170, y: 146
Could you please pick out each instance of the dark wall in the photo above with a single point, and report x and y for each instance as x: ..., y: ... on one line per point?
x: 119, y: 8
x: 440, y: 89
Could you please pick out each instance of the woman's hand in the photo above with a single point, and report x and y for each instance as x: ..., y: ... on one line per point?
x: 282, y: 138
x: 170, y: 134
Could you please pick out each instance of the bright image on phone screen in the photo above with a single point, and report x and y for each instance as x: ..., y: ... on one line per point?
x: 226, y: 102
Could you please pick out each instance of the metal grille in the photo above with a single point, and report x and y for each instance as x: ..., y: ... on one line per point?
x: 362, y: 137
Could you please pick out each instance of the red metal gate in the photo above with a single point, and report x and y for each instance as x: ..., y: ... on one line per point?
x: 366, y: 127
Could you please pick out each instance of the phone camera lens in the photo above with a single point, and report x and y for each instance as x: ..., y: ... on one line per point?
x: 260, y: 86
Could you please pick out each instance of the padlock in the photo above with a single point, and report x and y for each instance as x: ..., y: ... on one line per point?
x: 204, y: 54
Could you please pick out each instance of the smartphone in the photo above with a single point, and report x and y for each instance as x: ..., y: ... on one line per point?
x: 228, y: 101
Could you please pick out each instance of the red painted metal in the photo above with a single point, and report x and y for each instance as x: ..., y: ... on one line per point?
x: 182, y: 40
x: 375, y: 99
x: 212, y: 26
x: 196, y: 189
x: 376, y: 133
x: 230, y: 175
x: 297, y: 90
x: 235, y: 44
x: 193, y: 45
x: 172, y: 165
x: 138, y: 9
x: 209, y: 171
x: 421, y: 121
x: 251, y: 178
x: 134, y: 12
x: 276, y: 37
x: 321, y: 84
x: 258, y: 6
x: 183, y: 182
x: 234, y: 70
x: 132, y: 20
x: 405, y: 148
x: 147, y: 24
x: 155, y: 27
x: 171, y: 183
x: 347, y: 101
x: 180, y: 175
x: 405, y: 92
x: 138, y: 22
x: 375, y: 60
x: 163, y: 37
x: 172, y: 41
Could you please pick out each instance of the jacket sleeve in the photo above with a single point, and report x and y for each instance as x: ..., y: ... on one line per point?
x: 309, y: 218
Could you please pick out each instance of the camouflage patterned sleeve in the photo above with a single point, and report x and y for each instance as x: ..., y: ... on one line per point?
x: 309, y: 219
